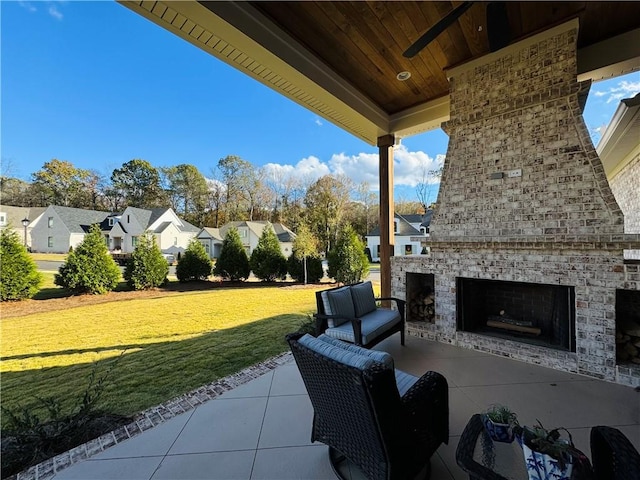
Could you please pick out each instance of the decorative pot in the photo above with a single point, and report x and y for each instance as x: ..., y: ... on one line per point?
x: 499, y: 432
x: 541, y: 466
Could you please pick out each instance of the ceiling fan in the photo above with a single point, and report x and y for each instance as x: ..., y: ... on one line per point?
x: 497, y: 27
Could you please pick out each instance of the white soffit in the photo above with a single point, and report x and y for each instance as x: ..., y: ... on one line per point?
x: 620, y: 142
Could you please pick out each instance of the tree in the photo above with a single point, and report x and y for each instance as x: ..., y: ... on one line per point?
x: 348, y: 261
x: 194, y: 263
x: 424, y: 188
x: 19, y: 276
x: 146, y: 268
x: 89, y: 268
x: 312, y: 268
x: 233, y: 262
x: 362, y: 212
x: 267, y: 261
x: 14, y: 191
x: 325, y: 201
x: 238, y: 177
x: 139, y: 183
x: 187, y: 191
x: 305, y: 245
x: 61, y: 183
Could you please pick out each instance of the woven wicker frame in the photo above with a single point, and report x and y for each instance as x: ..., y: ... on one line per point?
x: 360, y: 414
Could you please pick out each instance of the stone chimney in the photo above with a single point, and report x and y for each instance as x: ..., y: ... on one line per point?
x: 525, y: 213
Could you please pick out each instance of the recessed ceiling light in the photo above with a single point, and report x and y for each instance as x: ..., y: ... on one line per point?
x: 402, y: 76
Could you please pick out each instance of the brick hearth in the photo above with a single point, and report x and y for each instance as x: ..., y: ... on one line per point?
x: 524, y: 198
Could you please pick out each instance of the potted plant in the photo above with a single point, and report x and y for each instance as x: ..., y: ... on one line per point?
x: 499, y: 422
x: 547, y: 455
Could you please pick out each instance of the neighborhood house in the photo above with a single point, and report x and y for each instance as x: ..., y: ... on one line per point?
x: 59, y: 228
x: 250, y: 232
x: 409, y: 232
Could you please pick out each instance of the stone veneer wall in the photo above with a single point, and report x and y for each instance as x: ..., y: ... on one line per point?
x: 558, y: 223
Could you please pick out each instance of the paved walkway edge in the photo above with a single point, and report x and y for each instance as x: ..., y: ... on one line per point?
x: 150, y: 418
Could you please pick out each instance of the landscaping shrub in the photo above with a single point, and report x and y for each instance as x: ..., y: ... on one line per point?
x: 89, y: 268
x: 348, y: 262
x: 146, y: 268
x: 19, y: 276
x: 29, y: 438
x: 194, y: 264
x: 314, y: 268
x: 267, y: 261
x: 233, y: 263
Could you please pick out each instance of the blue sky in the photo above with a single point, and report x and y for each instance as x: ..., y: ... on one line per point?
x: 98, y: 85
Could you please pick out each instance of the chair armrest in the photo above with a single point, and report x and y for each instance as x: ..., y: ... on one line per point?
x: 399, y: 302
x: 427, y: 403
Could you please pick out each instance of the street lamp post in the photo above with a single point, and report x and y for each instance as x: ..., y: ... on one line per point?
x: 25, y: 224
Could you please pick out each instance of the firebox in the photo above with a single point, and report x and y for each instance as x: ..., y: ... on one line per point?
x: 532, y: 313
x: 421, y: 305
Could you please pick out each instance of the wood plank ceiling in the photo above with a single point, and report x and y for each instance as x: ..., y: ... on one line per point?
x: 363, y: 42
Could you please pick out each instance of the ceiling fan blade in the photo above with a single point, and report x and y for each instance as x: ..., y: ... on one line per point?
x: 437, y: 29
x: 497, y: 25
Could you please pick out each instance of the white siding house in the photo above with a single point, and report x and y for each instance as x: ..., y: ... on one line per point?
x: 171, y: 232
x: 59, y: 228
x: 250, y: 233
x: 407, y: 232
x: 11, y: 217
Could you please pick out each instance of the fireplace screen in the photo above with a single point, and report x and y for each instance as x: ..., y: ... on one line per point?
x: 526, y: 312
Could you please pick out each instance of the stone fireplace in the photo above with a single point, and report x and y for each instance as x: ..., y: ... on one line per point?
x: 524, y: 213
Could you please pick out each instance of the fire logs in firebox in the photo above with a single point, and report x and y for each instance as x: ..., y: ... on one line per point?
x: 628, y: 342
x: 422, y: 308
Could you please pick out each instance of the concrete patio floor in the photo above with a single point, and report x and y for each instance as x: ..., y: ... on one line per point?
x: 262, y: 429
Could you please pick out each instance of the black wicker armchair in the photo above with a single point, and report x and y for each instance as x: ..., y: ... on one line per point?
x: 613, y: 456
x: 384, y: 421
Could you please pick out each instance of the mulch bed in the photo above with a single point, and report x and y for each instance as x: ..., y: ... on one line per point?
x: 28, y: 307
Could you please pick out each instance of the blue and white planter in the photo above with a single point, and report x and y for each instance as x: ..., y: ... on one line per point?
x: 541, y: 466
x: 499, y: 432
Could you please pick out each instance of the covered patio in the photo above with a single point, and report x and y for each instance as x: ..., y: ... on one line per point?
x: 344, y: 61
x: 261, y: 429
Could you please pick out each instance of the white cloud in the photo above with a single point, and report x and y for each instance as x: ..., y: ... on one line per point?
x: 622, y: 90
x: 309, y: 168
x: 362, y: 167
x: 55, y: 13
x: 318, y: 122
x: 27, y: 6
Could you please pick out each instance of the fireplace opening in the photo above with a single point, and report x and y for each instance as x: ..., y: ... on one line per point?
x: 537, y: 314
x: 628, y: 326
x: 421, y: 306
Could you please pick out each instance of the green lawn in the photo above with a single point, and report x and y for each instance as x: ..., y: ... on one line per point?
x: 172, y: 343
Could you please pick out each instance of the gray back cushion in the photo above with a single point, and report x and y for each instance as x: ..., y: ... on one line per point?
x: 363, y: 299
x: 378, y: 356
x: 341, y: 355
x: 341, y: 304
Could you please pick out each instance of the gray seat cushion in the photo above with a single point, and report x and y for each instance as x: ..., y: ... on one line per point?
x: 404, y: 381
x: 373, y: 325
x: 363, y: 299
x: 341, y: 304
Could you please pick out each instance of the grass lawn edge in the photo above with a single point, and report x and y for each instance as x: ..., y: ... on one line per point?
x: 152, y: 417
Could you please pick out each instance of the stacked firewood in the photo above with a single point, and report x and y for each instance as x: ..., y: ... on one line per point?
x: 422, y: 308
x: 628, y: 342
